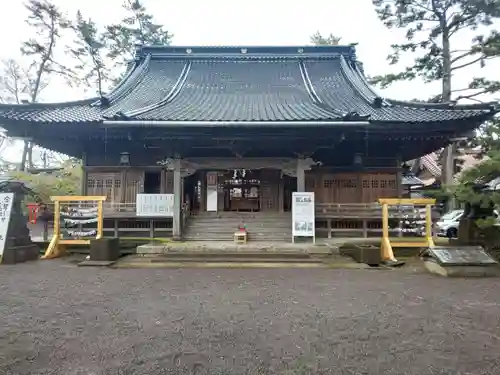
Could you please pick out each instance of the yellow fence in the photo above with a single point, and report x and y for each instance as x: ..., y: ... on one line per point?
x: 388, y: 243
x: 56, y: 245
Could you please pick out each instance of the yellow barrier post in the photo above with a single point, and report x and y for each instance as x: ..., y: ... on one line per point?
x: 387, y: 245
x: 55, y: 250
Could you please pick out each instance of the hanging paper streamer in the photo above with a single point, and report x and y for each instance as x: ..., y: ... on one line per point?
x: 74, y: 233
x: 76, y: 216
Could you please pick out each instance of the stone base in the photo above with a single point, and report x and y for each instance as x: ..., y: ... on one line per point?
x: 20, y: 254
x: 461, y: 271
x: 105, y: 249
x: 362, y: 253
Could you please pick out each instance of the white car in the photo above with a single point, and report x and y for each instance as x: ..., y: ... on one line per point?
x: 447, y: 226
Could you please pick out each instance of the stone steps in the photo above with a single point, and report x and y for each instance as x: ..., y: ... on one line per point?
x: 221, y: 226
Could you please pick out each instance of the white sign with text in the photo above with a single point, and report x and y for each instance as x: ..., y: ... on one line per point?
x: 303, y: 215
x: 155, y: 205
x: 6, y: 200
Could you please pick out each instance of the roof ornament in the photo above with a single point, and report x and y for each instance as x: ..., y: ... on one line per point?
x: 244, y: 50
x: 378, y: 102
x: 189, y: 50
x: 355, y: 116
x: 300, y: 50
x: 104, y: 101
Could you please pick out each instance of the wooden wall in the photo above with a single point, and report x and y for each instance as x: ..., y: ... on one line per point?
x: 122, y: 186
x: 352, y: 187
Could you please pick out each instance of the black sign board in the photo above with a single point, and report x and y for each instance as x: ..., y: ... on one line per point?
x: 461, y: 256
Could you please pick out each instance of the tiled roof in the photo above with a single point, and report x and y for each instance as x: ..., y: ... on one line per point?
x: 80, y: 111
x: 410, y: 179
x: 220, y: 84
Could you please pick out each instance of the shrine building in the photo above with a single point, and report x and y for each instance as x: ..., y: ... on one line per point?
x: 237, y: 130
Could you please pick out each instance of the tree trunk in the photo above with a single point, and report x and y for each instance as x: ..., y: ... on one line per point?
x: 22, y: 165
x: 448, y: 153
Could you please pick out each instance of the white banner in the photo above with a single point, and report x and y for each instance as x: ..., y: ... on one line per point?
x: 155, y: 205
x: 6, y: 200
x: 303, y: 215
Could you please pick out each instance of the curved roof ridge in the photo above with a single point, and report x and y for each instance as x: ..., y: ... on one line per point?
x: 366, y: 85
x: 176, y: 89
x: 347, y: 72
x: 130, y: 81
x: 316, y: 99
x: 130, y: 69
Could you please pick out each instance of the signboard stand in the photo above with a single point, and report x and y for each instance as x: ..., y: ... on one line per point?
x: 303, y: 216
x: 155, y: 205
x: 72, y: 213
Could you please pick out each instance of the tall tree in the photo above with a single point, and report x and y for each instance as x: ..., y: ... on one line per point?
x: 17, y: 85
x: 432, y: 27
x: 319, y: 40
x: 47, y: 23
x: 138, y: 27
x: 89, y: 50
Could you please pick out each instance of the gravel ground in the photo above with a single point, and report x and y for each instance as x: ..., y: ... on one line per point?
x: 60, y: 319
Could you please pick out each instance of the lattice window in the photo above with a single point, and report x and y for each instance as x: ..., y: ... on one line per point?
x: 118, y: 183
x: 328, y: 184
x: 392, y: 184
x: 91, y: 183
x: 349, y: 183
x: 366, y: 184
x: 99, y: 184
x: 374, y: 184
x: 383, y: 184
x: 109, y: 184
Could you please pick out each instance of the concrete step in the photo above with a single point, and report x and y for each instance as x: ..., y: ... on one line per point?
x: 295, y: 254
x: 237, y: 260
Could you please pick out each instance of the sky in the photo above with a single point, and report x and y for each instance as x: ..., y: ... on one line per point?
x: 256, y: 22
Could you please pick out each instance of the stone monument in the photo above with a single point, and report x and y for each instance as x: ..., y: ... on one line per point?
x: 18, y: 246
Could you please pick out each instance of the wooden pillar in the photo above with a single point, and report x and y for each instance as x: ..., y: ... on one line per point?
x: 85, y: 175
x: 399, y: 177
x: 163, y: 182
x: 177, y: 199
x: 123, y: 186
x: 203, y: 191
x: 281, y: 195
x: 301, y: 176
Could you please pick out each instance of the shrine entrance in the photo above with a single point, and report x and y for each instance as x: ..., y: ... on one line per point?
x: 241, y: 189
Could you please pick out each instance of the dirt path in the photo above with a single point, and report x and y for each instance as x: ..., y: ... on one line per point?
x: 59, y: 319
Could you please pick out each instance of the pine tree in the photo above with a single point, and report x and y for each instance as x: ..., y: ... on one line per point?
x: 431, y: 28
x: 137, y: 28
x: 47, y: 23
x: 89, y: 51
x: 319, y: 40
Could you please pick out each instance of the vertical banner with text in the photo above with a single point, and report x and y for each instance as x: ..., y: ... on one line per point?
x: 6, y: 200
x: 303, y: 215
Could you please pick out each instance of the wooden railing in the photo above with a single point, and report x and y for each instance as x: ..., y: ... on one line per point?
x: 332, y: 220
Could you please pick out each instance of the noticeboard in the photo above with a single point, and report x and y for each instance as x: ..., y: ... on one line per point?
x: 155, y: 205
x: 303, y: 215
x: 461, y: 256
x: 6, y: 200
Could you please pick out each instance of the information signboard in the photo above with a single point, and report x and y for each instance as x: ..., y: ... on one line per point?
x: 6, y: 200
x: 155, y: 205
x: 461, y: 255
x: 303, y: 215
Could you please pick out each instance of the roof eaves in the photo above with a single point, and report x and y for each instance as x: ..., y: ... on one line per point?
x: 176, y: 89
x: 131, y: 80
